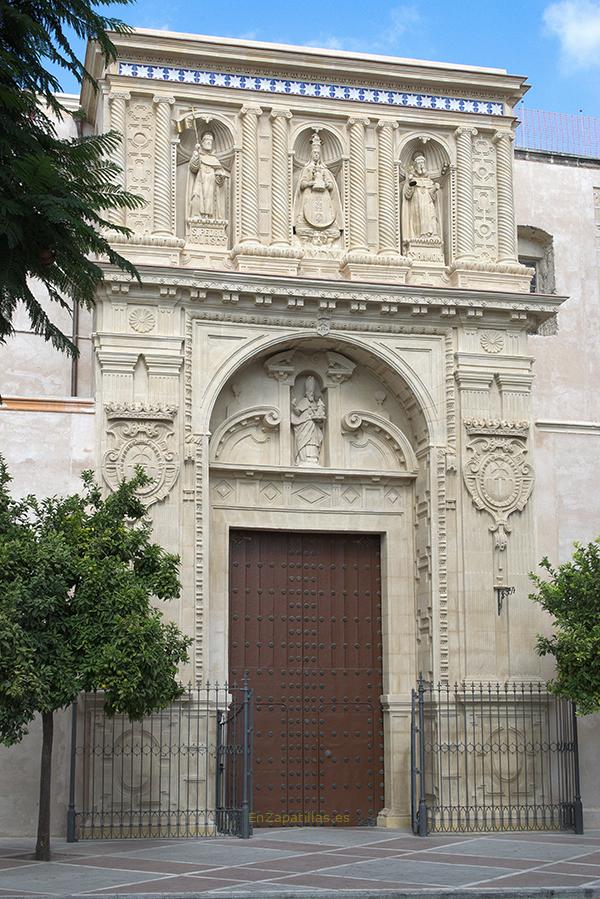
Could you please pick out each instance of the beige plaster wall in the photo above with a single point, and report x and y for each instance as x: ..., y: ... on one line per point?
x: 564, y: 200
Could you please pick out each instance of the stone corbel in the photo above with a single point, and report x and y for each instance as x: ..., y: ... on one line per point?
x: 141, y: 434
x: 263, y: 417
x: 392, y: 435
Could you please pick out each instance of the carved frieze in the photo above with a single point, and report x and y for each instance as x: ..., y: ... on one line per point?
x: 141, y: 434
x: 497, y: 472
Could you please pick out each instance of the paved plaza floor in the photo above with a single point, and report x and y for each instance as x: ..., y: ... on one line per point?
x: 309, y: 861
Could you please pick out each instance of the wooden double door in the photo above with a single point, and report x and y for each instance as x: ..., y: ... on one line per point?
x: 305, y: 624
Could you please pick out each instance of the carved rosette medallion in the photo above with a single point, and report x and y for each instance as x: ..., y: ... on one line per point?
x: 142, y: 320
x: 492, y: 341
x: 497, y: 473
x: 141, y: 434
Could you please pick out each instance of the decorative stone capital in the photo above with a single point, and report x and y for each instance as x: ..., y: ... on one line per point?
x: 163, y: 98
x: 359, y: 120
x: 466, y: 129
x: 503, y: 134
x: 280, y: 112
x: 119, y: 95
x: 251, y: 109
x: 387, y: 123
x: 140, y: 411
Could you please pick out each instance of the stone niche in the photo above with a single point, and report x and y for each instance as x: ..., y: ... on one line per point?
x: 205, y: 184
x: 311, y: 408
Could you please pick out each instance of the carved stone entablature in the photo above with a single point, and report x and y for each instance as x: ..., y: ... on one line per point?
x: 361, y: 423
x: 332, y: 367
x: 141, y: 434
x: 140, y: 411
x: 497, y: 473
x: 257, y: 419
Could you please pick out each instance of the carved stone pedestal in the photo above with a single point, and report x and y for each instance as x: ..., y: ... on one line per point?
x: 490, y: 276
x: 425, y: 249
x: 255, y: 257
x: 207, y: 232
x: 367, y: 267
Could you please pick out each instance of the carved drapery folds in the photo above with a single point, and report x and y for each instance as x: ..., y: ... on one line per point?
x: 497, y: 472
x: 424, y: 166
x: 141, y: 434
x: 318, y: 215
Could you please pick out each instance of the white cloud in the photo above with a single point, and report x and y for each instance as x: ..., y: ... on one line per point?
x: 401, y: 20
x: 576, y: 24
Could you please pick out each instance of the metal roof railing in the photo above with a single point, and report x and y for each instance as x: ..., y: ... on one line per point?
x: 558, y: 132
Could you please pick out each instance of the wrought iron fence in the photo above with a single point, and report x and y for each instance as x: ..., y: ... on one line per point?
x: 490, y: 757
x: 182, y: 772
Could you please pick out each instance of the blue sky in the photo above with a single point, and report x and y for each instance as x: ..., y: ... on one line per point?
x: 555, y: 43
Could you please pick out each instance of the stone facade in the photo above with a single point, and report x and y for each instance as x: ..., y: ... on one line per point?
x: 333, y: 332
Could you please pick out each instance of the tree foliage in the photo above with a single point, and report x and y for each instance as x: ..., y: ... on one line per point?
x: 56, y: 195
x: 77, y: 580
x: 571, y: 594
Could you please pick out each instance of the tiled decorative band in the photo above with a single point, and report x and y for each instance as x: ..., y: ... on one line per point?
x: 379, y: 97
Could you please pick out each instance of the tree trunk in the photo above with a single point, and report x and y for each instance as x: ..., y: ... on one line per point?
x: 42, y: 849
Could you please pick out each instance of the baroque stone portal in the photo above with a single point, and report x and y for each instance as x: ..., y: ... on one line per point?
x: 318, y: 208
x: 307, y: 417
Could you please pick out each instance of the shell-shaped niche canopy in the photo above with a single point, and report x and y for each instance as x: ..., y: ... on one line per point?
x: 194, y: 125
x: 330, y: 146
x: 436, y: 156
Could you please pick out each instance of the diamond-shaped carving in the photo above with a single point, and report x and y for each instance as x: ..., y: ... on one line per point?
x: 271, y: 491
x: 351, y: 495
x: 392, y: 496
x: 224, y: 489
x: 311, y: 494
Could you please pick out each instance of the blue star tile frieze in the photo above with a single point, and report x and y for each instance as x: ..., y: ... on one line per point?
x: 292, y: 87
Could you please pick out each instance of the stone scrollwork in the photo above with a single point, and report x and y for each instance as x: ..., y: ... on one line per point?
x: 141, y: 434
x: 257, y: 418
x: 390, y: 435
x: 497, y: 472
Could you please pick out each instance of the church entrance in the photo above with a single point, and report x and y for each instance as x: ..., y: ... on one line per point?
x: 305, y: 623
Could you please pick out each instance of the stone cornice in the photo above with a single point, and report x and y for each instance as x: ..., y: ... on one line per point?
x: 331, y: 298
x: 304, y: 63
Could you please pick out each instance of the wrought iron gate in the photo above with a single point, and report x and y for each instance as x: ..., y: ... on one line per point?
x: 491, y: 757
x: 182, y: 772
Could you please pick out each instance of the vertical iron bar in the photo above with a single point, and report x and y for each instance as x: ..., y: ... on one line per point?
x: 422, y: 813
x: 71, y: 814
x: 578, y: 805
x: 245, y: 811
x: 207, y: 716
x: 413, y: 763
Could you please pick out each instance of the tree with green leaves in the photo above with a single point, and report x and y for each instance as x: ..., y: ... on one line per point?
x: 56, y: 196
x: 571, y: 594
x: 77, y: 579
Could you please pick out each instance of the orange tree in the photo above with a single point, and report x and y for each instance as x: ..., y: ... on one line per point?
x: 77, y: 579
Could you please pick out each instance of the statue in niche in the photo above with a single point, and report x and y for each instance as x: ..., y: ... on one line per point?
x: 421, y: 228
x: 317, y: 204
x: 308, y: 417
x: 207, y: 180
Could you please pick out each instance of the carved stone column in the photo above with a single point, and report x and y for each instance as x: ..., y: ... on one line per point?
x: 507, y: 243
x: 388, y: 232
x: 280, y: 178
x: 118, y: 122
x: 162, y: 166
x: 358, y: 187
x: 249, y: 193
x: 465, y: 221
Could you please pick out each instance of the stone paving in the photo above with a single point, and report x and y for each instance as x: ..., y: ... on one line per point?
x: 316, y: 861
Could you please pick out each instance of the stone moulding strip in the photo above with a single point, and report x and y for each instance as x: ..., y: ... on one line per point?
x: 587, y: 428
x: 47, y: 404
x: 301, y: 88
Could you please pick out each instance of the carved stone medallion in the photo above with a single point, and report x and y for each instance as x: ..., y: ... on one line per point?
x: 497, y: 473
x: 141, y: 435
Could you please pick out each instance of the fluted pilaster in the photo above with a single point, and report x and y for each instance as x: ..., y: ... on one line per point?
x: 465, y: 220
x: 162, y: 166
x: 387, y: 188
x: 249, y: 194
x: 118, y: 101
x: 280, y: 181
x: 358, y: 186
x: 507, y: 238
